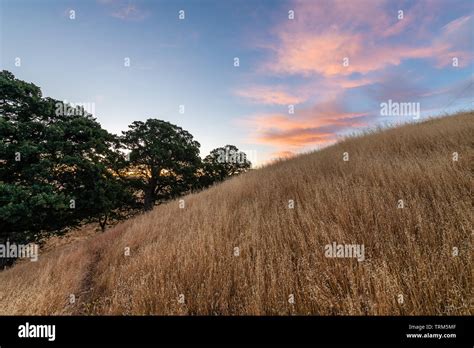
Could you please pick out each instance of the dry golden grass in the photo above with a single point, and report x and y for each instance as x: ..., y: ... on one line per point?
x: 190, y: 251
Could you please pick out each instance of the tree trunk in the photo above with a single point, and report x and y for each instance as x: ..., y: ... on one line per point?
x: 150, y: 195
x: 103, y: 224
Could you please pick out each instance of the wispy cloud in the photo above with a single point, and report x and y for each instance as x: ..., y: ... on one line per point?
x: 376, y: 42
x: 283, y: 154
x: 313, y: 44
x: 271, y: 95
x: 316, y: 125
x: 124, y: 10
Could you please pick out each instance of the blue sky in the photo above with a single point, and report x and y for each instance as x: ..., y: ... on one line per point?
x: 283, y: 62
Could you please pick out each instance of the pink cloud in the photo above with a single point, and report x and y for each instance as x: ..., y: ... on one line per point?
x: 128, y: 12
x: 283, y: 154
x: 453, y: 27
x: 455, y: 41
x: 324, y: 54
x: 269, y: 95
x: 369, y: 34
x: 318, y: 125
x: 123, y: 10
x: 323, y: 33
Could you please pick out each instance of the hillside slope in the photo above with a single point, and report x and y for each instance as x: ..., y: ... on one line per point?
x: 185, y: 261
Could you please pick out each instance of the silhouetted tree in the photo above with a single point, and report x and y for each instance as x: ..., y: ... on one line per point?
x: 224, y: 162
x: 164, y: 157
x: 55, y: 169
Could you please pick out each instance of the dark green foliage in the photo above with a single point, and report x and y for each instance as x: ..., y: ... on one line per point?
x: 55, y: 168
x: 59, y: 168
x: 164, y: 156
x: 224, y: 162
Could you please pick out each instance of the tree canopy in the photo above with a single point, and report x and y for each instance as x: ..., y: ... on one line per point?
x: 56, y: 169
x: 59, y: 168
x: 165, y: 157
x: 224, y: 162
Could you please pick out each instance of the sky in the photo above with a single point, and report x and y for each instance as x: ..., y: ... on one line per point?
x: 309, y: 71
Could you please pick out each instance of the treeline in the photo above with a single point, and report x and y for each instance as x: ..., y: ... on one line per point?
x: 59, y: 168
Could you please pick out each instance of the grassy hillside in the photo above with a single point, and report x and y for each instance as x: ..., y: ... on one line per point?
x: 191, y: 251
